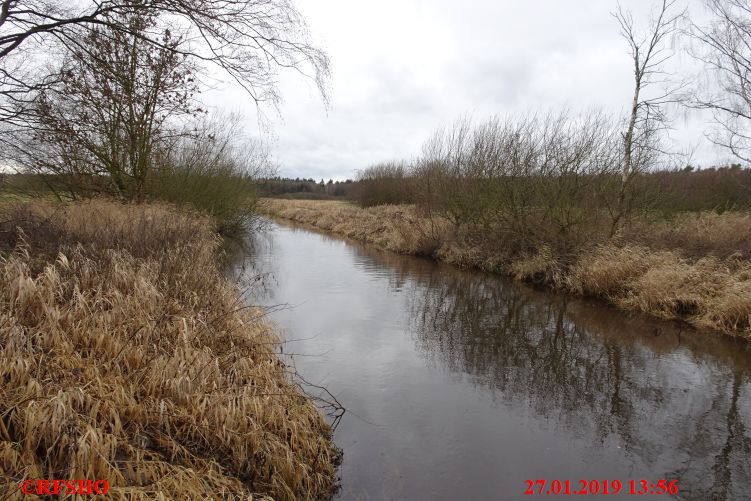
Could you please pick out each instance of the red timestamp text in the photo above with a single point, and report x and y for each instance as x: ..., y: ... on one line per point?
x: 600, y: 487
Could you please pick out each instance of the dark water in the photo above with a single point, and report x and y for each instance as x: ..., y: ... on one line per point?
x: 460, y: 385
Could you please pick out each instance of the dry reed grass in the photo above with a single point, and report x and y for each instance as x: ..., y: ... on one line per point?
x: 708, y: 292
x: 126, y: 355
x: 696, y: 234
x: 695, y: 268
x: 398, y: 228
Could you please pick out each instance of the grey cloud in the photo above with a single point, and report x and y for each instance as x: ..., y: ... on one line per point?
x: 404, y: 67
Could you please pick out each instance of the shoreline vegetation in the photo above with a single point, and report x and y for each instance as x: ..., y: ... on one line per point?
x: 693, y: 268
x: 127, y: 355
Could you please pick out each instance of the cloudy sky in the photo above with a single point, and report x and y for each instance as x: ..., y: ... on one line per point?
x: 402, y: 68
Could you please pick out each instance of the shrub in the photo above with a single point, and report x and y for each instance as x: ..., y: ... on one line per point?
x: 214, y: 171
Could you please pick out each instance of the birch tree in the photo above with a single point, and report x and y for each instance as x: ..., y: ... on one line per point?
x: 649, y: 50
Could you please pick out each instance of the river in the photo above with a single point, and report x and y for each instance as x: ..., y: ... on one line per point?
x: 460, y: 385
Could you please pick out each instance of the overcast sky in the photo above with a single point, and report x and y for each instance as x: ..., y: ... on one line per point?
x: 402, y: 68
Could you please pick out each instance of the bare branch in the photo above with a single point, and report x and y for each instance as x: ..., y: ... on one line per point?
x: 250, y: 40
x: 724, y: 47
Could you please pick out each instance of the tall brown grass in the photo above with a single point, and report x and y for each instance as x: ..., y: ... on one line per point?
x: 695, y: 234
x: 696, y: 268
x: 126, y: 355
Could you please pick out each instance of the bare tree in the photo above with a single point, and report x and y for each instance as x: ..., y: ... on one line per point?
x: 249, y: 39
x: 724, y: 46
x: 100, y: 126
x: 649, y: 51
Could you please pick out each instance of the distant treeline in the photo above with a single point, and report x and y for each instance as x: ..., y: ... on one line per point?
x: 285, y: 187
x: 717, y: 188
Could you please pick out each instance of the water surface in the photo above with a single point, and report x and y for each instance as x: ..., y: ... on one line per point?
x: 460, y: 385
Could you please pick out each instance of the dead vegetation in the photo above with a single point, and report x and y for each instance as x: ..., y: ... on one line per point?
x: 126, y: 355
x: 695, y: 268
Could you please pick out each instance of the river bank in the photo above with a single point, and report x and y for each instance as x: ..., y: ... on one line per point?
x: 695, y: 269
x: 128, y: 356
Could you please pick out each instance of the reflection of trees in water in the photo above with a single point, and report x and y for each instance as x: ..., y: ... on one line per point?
x: 674, y: 399
x: 518, y: 345
x: 642, y: 384
x: 246, y: 263
x: 735, y: 452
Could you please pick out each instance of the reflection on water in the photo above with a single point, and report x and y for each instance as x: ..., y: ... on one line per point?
x: 460, y: 385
